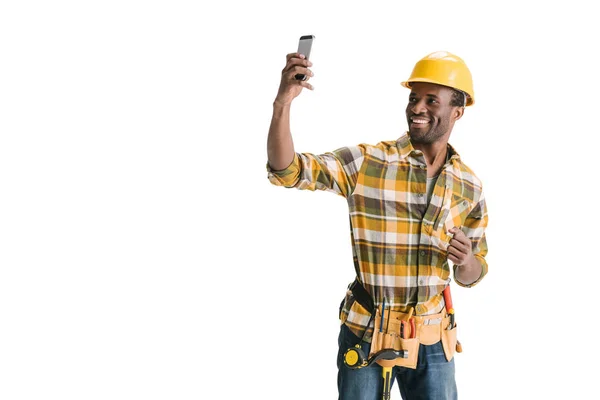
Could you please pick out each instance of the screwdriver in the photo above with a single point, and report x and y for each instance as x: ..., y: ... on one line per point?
x: 386, y: 371
x: 387, y: 382
x: 382, y: 315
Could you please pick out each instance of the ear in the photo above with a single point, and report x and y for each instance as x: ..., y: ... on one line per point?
x: 458, y: 113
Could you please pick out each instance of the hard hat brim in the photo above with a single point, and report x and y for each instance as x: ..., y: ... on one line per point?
x: 407, y: 85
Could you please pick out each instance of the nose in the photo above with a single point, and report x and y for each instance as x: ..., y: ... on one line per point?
x: 418, y: 107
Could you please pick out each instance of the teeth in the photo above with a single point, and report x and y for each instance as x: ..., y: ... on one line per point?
x: 420, y: 121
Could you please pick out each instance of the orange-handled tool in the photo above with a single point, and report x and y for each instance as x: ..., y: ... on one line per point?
x: 449, y: 306
x: 450, y: 311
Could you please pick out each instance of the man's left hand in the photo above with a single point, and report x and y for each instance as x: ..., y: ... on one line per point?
x: 459, y: 250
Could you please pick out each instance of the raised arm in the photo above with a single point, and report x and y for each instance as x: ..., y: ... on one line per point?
x: 280, y: 147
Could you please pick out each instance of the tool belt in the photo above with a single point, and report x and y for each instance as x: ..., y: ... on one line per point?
x: 403, y: 332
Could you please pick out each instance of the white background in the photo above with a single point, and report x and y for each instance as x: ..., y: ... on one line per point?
x: 144, y: 254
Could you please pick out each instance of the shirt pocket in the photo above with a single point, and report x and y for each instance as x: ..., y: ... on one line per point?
x: 453, y: 214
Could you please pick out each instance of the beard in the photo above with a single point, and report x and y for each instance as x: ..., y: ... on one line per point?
x: 429, y: 133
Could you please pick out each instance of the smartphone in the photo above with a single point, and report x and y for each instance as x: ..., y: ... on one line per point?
x: 304, y: 48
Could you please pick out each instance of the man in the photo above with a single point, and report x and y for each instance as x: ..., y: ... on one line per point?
x: 413, y: 206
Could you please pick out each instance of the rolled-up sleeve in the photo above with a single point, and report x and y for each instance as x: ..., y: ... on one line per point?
x: 335, y: 171
x: 474, y: 229
x: 285, y: 177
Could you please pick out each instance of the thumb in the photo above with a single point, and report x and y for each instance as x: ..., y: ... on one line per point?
x: 454, y: 229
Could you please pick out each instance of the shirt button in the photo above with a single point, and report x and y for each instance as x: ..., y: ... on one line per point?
x: 420, y: 194
x: 422, y: 252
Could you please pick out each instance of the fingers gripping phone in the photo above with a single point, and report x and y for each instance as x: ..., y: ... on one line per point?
x: 304, y: 48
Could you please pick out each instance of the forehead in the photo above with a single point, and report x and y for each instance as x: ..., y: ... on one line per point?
x: 425, y: 88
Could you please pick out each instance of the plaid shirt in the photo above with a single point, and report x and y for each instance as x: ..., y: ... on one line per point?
x: 399, y: 242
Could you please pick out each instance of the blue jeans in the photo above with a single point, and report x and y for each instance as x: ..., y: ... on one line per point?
x: 432, y: 379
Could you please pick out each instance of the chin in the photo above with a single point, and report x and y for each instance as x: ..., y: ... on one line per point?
x: 417, y: 135
x: 421, y: 139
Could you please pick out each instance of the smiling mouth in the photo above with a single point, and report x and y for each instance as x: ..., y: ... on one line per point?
x: 417, y: 122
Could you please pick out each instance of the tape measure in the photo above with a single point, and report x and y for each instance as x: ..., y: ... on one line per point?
x: 355, y: 358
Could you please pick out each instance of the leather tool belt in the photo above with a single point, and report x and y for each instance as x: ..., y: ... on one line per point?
x: 403, y: 331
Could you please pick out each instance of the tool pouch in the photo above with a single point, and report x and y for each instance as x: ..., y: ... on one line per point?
x: 449, y: 340
x: 390, y: 339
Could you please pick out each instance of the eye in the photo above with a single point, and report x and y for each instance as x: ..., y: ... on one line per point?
x: 432, y: 101
x: 412, y: 99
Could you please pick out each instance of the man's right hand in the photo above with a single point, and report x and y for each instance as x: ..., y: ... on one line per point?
x: 290, y: 87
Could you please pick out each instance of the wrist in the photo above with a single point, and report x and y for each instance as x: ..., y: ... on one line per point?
x: 469, y: 272
x: 281, y: 104
x: 468, y: 263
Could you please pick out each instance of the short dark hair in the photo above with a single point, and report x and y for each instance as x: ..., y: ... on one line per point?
x: 458, y: 98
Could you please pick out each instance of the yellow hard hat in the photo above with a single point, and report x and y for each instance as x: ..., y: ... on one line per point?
x: 446, y: 69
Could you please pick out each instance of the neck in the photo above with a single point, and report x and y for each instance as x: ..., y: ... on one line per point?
x: 435, y: 155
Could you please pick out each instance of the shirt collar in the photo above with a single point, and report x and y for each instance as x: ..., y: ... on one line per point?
x: 406, y: 149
